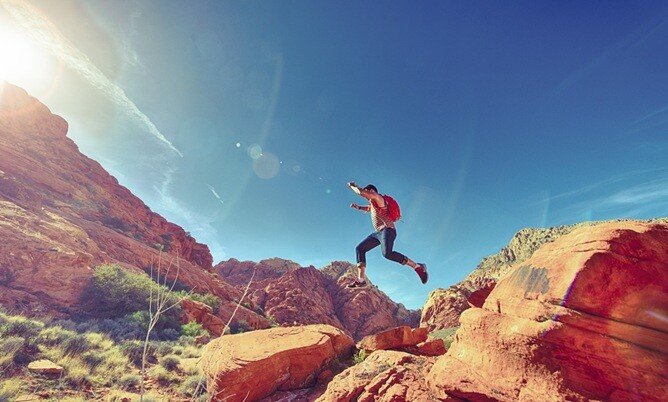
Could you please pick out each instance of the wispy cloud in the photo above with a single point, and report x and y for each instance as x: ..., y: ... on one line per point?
x: 652, y: 114
x: 200, y: 225
x: 620, y: 197
x: 601, y: 184
x: 215, y: 193
x: 45, y: 33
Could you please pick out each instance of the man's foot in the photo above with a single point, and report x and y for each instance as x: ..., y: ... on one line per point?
x: 421, y: 270
x: 357, y: 284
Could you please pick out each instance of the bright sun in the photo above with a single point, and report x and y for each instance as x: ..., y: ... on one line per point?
x: 19, y: 58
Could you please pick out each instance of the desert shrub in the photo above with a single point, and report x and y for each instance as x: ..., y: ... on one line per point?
x: 164, y: 348
x: 9, y: 389
x: 193, y: 329
x: 54, y: 335
x: 129, y: 381
x: 123, y: 296
x: 20, y: 326
x: 77, y: 376
x: 9, y: 348
x: 193, y: 386
x: 76, y: 345
x: 134, y: 350
x: 92, y: 359
x: 447, y: 334
x: 209, y: 299
x: 170, y: 362
x: 240, y: 326
x: 161, y: 375
x: 190, y: 351
x: 359, y: 356
x: 118, y: 292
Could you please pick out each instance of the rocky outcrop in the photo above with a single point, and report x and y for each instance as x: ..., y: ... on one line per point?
x: 582, y: 319
x: 394, y: 338
x: 444, y: 305
x: 383, y: 376
x: 254, y: 365
x: 293, y: 295
x: 61, y: 214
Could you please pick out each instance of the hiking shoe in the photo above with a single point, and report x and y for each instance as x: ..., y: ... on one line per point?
x: 421, y: 270
x: 357, y: 284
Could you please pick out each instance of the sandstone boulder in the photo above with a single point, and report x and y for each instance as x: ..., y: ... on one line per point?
x: 582, y: 319
x: 394, y: 338
x: 45, y: 367
x: 383, y: 376
x: 254, y: 365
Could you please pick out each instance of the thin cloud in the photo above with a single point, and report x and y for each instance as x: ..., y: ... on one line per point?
x: 215, y: 194
x: 47, y: 34
x: 591, y: 187
x: 200, y: 225
x: 652, y: 114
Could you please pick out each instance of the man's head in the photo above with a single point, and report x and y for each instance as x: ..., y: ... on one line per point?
x: 371, y: 187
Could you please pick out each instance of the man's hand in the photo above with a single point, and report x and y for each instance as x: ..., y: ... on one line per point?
x: 354, y: 206
x: 352, y: 184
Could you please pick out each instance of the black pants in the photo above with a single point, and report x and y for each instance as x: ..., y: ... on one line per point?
x: 385, y: 238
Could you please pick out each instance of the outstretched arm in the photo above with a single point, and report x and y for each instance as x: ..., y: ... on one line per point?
x: 364, y: 208
x: 375, y: 197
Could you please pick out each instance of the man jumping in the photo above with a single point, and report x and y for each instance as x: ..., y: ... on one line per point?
x: 384, y: 235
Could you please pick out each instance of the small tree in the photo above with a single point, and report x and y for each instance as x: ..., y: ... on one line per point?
x: 161, y: 299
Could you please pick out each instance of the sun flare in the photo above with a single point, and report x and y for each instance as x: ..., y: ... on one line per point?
x: 19, y: 58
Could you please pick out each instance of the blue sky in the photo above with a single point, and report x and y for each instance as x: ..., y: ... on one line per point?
x: 480, y: 118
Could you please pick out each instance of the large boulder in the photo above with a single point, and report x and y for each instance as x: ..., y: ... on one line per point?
x: 583, y: 318
x: 393, y: 338
x: 254, y: 365
x: 385, y: 375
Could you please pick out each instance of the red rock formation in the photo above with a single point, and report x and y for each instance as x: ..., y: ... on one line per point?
x: 583, y: 318
x: 383, y: 376
x: 394, y: 338
x: 61, y: 214
x: 254, y: 365
x: 298, y: 296
x: 444, y: 306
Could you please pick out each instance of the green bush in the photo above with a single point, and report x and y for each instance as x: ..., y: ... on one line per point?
x: 210, y: 300
x: 135, y: 349
x: 193, y: 386
x: 240, y: 326
x: 9, y: 389
x: 129, y: 381
x: 161, y: 375
x: 447, y: 334
x: 193, y: 329
x: 55, y: 335
x: 170, y: 362
x: 20, y: 326
x: 360, y: 356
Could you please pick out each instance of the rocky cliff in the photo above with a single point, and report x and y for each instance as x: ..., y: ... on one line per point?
x: 444, y: 305
x: 61, y: 214
x: 584, y: 318
x: 291, y: 294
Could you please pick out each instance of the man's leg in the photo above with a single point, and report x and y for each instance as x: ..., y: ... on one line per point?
x: 388, y: 236
x: 361, y: 249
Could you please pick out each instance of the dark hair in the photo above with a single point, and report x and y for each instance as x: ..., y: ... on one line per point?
x: 371, y: 187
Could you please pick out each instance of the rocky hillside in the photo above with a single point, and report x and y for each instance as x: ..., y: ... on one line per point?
x: 445, y: 305
x: 291, y: 294
x: 581, y: 319
x: 61, y: 214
